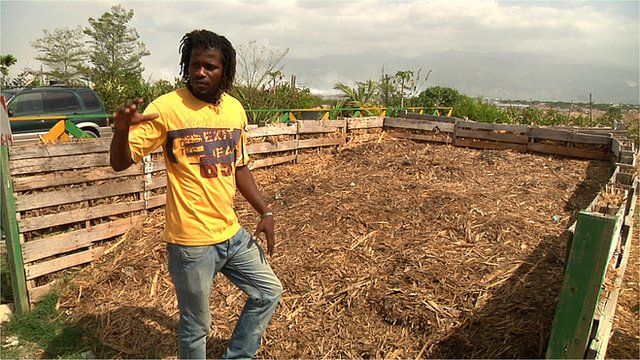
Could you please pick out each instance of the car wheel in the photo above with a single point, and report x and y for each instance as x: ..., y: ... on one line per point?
x: 91, y: 132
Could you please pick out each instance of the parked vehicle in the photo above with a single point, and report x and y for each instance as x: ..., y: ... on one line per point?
x: 82, y: 106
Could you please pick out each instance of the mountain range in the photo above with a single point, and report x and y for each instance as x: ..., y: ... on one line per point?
x: 496, y: 75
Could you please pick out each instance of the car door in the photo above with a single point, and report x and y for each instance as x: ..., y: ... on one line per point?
x: 60, y: 102
x: 26, y: 103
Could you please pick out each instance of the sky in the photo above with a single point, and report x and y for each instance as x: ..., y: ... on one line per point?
x: 593, y: 32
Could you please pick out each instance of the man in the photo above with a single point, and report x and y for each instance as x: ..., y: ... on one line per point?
x: 202, y: 131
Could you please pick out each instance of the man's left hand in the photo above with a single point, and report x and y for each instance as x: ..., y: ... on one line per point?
x: 266, y: 225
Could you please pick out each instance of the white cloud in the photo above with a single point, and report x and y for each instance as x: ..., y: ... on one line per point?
x: 591, y: 32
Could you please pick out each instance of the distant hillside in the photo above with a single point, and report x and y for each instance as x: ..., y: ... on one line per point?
x: 491, y: 75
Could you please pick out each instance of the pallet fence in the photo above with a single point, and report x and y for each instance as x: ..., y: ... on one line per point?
x: 70, y: 205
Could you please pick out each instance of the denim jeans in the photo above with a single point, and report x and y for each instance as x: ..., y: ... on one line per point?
x: 243, y: 262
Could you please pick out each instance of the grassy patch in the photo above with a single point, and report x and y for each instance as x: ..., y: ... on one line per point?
x: 5, y: 280
x: 48, y: 330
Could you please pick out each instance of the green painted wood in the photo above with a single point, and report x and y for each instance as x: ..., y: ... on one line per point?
x: 75, y: 131
x: 12, y: 237
x: 591, y: 250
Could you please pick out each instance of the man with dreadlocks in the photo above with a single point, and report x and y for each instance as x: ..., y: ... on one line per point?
x: 202, y: 130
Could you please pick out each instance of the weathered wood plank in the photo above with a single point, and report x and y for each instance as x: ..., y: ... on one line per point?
x: 490, y: 126
x: 416, y: 124
x: 156, y: 201
x: 65, y: 262
x: 38, y: 292
x: 39, y: 165
x: 568, y: 151
x: 271, y: 130
x: 61, y: 243
x: 431, y: 117
x: 365, y: 123
x: 30, y: 151
x: 267, y: 147
x: 483, y: 144
x: 559, y: 135
x: 424, y: 137
x: 157, y: 182
x: 272, y: 161
x: 321, y: 126
x: 66, y: 196
x: 319, y: 142
x: 78, y: 215
x: 72, y: 177
x: 494, y: 136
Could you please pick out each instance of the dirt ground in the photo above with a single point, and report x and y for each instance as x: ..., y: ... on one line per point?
x: 390, y: 249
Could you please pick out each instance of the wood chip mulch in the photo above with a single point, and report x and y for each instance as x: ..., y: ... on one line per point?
x: 386, y: 249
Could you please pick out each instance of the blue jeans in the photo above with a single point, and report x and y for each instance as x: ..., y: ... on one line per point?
x: 243, y: 262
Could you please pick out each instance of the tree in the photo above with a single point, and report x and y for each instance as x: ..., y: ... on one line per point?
x: 361, y: 95
x: 410, y: 82
x: 5, y: 62
x: 64, y: 53
x: 258, y: 65
x: 440, y: 96
x: 116, y: 56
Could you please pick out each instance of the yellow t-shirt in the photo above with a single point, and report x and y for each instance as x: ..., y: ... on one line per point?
x: 202, y: 145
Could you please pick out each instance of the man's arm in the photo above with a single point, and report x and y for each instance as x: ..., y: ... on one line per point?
x: 119, y: 153
x: 247, y: 187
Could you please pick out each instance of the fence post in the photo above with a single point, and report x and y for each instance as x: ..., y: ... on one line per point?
x: 12, y: 237
x: 591, y: 250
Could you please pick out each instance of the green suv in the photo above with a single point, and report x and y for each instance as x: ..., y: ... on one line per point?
x: 82, y: 106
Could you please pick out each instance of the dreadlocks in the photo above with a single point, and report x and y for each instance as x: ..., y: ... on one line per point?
x: 204, y: 39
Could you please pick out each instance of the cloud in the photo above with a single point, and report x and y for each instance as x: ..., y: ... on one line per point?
x: 591, y: 32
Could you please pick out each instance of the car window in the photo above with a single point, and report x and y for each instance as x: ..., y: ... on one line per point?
x: 61, y: 101
x: 90, y: 100
x: 26, y: 104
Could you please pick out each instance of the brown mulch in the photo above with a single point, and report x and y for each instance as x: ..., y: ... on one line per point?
x: 387, y: 249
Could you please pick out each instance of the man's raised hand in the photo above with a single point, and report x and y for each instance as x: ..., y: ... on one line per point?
x: 129, y: 115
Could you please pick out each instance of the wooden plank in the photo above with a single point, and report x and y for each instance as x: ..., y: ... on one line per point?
x: 418, y: 124
x: 494, y: 136
x: 66, y: 196
x: 616, y: 148
x: 429, y: 117
x: 568, y: 151
x: 61, y: 243
x: 256, y: 164
x: 267, y: 147
x: 271, y: 130
x: 61, y: 263
x: 605, y: 315
x: 490, y: 126
x: 38, y: 292
x: 591, y: 249
x: 73, y: 177
x: 34, y: 166
x: 30, y: 151
x: 156, y: 201
x: 157, y: 182
x: 321, y: 126
x: 365, y: 123
x: 11, y: 231
x: 424, y: 137
x: 559, y: 135
x: 482, y: 144
x: 319, y: 142
x: 79, y: 215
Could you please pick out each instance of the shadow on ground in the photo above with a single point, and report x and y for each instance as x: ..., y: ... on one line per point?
x: 109, y: 340
x: 521, y: 311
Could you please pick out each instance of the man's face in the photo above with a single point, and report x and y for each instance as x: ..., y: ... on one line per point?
x: 205, y: 73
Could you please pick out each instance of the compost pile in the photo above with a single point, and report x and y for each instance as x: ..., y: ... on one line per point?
x: 389, y: 248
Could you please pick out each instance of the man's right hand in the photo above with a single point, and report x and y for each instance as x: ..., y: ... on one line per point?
x: 128, y: 115
x: 119, y: 154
